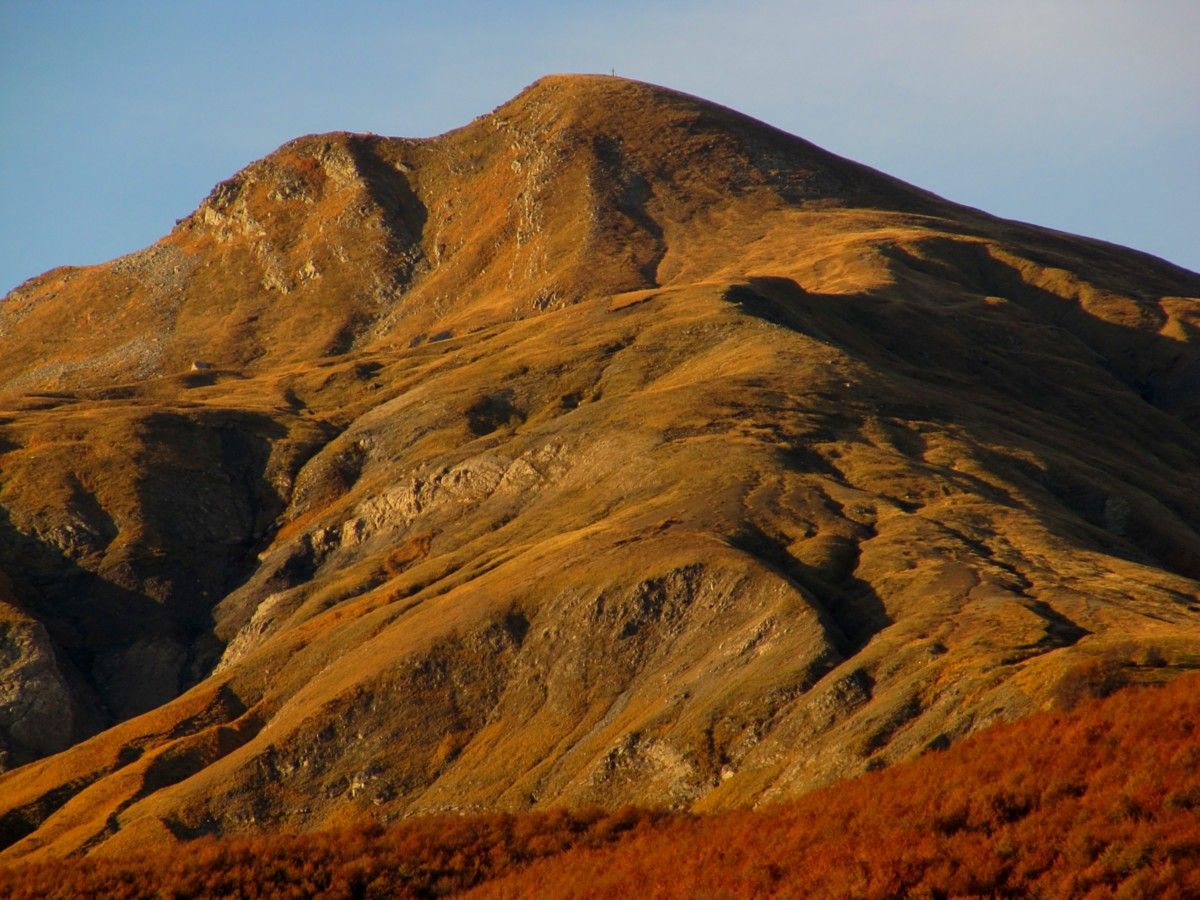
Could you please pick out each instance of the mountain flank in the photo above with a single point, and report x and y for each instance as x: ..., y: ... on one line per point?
x: 613, y: 448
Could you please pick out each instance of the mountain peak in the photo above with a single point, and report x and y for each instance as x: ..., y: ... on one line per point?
x: 614, y: 447
x: 642, y: 112
x: 604, y: 94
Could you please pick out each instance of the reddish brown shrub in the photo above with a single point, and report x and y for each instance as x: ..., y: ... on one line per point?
x: 1103, y: 801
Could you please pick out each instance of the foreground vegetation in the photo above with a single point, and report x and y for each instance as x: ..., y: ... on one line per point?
x: 1101, y: 801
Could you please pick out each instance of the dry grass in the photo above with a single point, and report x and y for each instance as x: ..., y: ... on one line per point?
x: 1100, y: 802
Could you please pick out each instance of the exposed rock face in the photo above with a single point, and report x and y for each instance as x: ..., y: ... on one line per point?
x: 35, y: 703
x: 612, y: 448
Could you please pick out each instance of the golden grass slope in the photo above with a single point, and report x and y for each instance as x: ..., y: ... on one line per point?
x: 613, y: 448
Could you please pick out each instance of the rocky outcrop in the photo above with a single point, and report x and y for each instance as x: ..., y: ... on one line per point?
x: 35, y: 702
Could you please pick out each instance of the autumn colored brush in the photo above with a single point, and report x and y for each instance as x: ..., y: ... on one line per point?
x: 1101, y: 801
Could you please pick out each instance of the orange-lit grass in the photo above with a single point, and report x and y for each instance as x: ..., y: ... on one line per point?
x: 425, y: 857
x: 1103, y: 801
x: 1100, y: 802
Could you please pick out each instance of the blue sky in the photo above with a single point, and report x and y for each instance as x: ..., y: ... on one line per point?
x: 118, y: 117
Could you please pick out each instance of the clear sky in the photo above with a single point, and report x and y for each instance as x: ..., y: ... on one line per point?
x: 116, y: 118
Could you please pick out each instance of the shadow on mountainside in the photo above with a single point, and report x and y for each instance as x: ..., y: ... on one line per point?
x: 1033, y: 381
x: 851, y: 611
x: 84, y: 615
x: 1162, y: 371
x: 403, y: 211
x: 131, y: 621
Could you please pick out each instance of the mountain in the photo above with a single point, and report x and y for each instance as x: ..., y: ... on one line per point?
x: 613, y: 448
